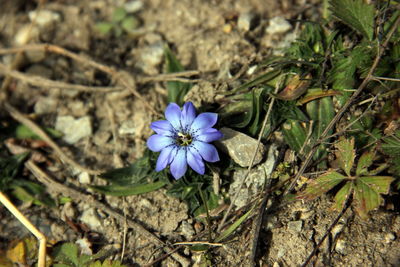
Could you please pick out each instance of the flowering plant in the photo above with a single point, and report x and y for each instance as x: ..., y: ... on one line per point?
x: 184, y: 139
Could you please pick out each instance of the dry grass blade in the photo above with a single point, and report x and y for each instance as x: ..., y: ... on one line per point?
x: 18, y: 116
x: 41, y: 237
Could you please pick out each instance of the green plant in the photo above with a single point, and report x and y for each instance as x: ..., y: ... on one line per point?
x: 358, y: 180
x: 121, y: 22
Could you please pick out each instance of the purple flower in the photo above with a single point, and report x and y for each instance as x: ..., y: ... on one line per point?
x: 184, y: 139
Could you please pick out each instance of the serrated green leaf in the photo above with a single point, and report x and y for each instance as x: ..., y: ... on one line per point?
x: 380, y: 184
x: 364, y: 163
x: 391, y: 145
x: 321, y: 185
x: 233, y: 227
x: 176, y: 90
x: 345, y: 154
x: 342, y: 195
x: 367, y: 192
x: 128, y: 190
x: 356, y: 14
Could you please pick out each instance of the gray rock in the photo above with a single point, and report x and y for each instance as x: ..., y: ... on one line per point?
x: 240, y: 147
x: 84, y: 178
x: 295, y: 226
x: 254, y: 181
x: 187, y: 230
x: 150, y: 57
x: 45, y: 105
x: 74, y: 129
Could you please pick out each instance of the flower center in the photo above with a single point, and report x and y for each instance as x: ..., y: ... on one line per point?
x: 184, y: 139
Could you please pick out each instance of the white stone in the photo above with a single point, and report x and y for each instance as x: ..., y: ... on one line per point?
x: 133, y: 6
x: 44, y: 17
x: 74, y: 129
x: 84, y: 178
x: 91, y: 219
x: 127, y: 127
x: 45, y: 105
x: 278, y: 25
x: 244, y: 21
x: 25, y: 34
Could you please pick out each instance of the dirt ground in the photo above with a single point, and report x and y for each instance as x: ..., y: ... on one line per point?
x: 216, y: 38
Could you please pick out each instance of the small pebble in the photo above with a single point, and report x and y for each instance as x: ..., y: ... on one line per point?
x: 44, y: 17
x: 340, y: 246
x: 74, y: 129
x: 389, y: 237
x: 84, y: 178
x: 244, y: 21
x: 91, y: 219
x: 295, y: 226
x: 278, y: 25
x: 133, y: 6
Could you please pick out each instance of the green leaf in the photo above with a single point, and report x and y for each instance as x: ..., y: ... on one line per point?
x: 233, y: 227
x: 259, y: 80
x: 129, y: 23
x: 321, y: 111
x: 321, y: 185
x: 9, y: 168
x: 119, y: 14
x: 176, y: 90
x: 67, y: 253
x: 391, y: 145
x: 133, y: 174
x: 367, y: 192
x: 126, y: 190
x: 104, y: 27
x: 345, y: 154
x: 23, y: 132
x: 364, y: 163
x: 295, y: 134
x: 342, y: 195
x: 356, y: 14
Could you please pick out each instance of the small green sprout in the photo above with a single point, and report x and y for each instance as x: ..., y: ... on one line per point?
x: 121, y: 22
x: 364, y: 184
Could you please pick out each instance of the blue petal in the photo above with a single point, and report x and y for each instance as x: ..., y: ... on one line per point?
x: 164, y: 158
x: 204, y: 121
x: 162, y: 127
x: 179, y: 164
x: 208, y: 152
x: 209, y: 135
x: 188, y: 115
x: 195, y: 161
x: 157, y: 142
x: 173, y: 114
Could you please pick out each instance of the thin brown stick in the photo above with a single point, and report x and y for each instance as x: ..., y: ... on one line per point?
x: 46, y: 83
x: 340, y: 113
x: 18, y: 116
x: 21, y: 217
x: 59, y: 188
x: 84, y: 60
